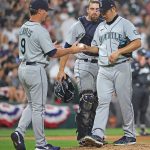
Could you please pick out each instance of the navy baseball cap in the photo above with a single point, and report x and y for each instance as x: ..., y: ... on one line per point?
x: 39, y: 4
x: 105, y: 5
x: 141, y: 52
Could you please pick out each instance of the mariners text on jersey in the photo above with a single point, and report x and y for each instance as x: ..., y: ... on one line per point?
x: 25, y: 31
x: 110, y: 35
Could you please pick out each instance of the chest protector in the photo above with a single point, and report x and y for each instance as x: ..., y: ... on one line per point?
x: 90, y: 28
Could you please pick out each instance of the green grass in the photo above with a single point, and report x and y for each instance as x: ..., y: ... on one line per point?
x: 6, y: 143
x: 30, y: 144
x: 58, y: 132
x: 49, y: 132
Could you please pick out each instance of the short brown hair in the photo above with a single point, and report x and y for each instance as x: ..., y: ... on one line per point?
x: 33, y: 11
x: 93, y: 1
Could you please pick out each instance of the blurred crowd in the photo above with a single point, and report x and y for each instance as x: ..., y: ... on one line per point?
x: 13, y: 13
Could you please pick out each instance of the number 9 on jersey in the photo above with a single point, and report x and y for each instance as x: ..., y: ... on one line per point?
x: 23, y: 46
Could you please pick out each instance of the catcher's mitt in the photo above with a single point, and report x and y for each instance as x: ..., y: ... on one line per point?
x: 64, y: 90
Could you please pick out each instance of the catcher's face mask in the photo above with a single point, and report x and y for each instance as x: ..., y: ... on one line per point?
x: 64, y: 90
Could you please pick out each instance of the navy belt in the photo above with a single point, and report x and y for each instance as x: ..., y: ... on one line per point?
x: 30, y: 63
x: 34, y: 63
x: 90, y: 60
x: 112, y: 65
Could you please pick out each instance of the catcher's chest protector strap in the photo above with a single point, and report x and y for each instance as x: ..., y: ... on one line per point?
x: 90, y: 28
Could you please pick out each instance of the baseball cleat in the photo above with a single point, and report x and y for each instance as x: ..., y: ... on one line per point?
x: 47, y: 147
x: 18, y: 141
x: 144, y: 134
x: 81, y: 142
x: 125, y: 141
x: 93, y: 140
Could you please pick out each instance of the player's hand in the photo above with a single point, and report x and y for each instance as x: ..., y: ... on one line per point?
x: 61, y: 75
x: 114, y: 56
x: 83, y: 46
x: 78, y: 47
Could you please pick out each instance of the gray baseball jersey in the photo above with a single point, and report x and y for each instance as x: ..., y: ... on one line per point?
x: 109, y: 38
x: 114, y: 78
x: 34, y: 43
x: 84, y: 70
x: 32, y: 47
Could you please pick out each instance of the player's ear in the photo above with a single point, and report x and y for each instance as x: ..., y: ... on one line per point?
x: 113, y: 9
x: 87, y: 10
x: 39, y: 11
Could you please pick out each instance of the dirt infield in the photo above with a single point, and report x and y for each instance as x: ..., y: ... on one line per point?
x: 143, y: 143
x: 111, y: 147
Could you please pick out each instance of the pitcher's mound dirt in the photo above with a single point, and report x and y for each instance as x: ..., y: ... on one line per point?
x: 111, y: 147
x: 143, y: 143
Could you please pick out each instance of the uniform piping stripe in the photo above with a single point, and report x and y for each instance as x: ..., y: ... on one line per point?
x: 42, y: 101
x: 106, y: 44
x: 132, y: 125
x: 131, y: 101
x: 111, y: 30
x: 79, y: 77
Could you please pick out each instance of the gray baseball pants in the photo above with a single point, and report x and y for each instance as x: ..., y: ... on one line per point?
x: 117, y: 79
x: 34, y: 81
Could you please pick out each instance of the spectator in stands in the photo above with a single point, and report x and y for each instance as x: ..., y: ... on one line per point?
x: 141, y: 82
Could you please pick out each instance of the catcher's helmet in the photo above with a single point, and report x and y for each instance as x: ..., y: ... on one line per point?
x: 64, y: 90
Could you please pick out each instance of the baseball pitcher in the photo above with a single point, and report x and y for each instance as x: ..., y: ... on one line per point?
x: 114, y: 39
